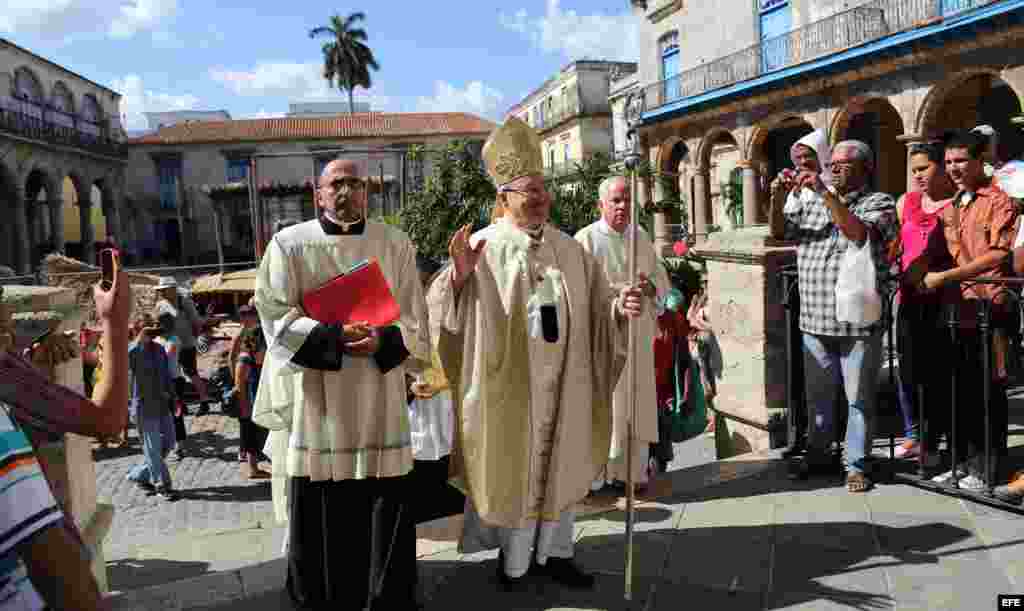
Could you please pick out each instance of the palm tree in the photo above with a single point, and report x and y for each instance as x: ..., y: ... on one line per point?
x: 347, y: 59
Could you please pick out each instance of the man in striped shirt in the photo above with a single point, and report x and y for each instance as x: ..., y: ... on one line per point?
x: 41, y: 563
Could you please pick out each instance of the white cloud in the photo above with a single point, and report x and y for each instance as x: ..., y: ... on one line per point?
x: 135, y: 15
x: 475, y: 98
x: 287, y: 79
x: 136, y: 100
x: 260, y: 114
x: 611, y: 37
x: 294, y: 82
x: 66, y: 19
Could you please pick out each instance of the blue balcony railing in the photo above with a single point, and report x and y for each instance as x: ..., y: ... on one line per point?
x: 849, y: 28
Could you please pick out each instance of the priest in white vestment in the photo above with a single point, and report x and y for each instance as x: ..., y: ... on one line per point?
x: 532, y: 341
x: 607, y: 240
x: 334, y: 398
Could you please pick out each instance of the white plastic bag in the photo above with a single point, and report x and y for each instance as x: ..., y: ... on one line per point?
x: 857, y: 300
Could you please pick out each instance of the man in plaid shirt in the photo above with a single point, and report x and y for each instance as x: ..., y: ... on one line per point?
x: 825, y: 222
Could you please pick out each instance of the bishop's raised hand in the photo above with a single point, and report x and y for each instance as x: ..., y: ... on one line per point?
x: 464, y: 257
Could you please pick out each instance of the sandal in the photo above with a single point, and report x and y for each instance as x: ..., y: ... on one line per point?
x: 857, y: 482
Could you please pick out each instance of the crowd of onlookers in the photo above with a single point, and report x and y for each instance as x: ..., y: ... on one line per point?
x: 940, y: 245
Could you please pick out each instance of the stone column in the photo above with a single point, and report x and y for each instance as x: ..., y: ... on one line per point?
x: 701, y: 202
x: 748, y: 319
x: 88, y: 235
x: 751, y: 205
x: 56, y: 211
x: 22, y: 243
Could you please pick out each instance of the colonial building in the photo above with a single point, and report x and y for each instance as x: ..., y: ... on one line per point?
x: 571, y: 112
x: 174, y: 171
x: 61, y: 160
x: 729, y: 87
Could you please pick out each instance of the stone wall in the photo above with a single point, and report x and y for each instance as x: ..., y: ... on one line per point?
x: 746, y: 313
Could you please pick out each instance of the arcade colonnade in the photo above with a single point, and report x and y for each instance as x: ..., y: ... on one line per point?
x: 48, y: 203
x: 745, y: 144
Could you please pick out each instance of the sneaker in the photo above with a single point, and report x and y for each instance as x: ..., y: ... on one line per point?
x: 146, y: 487
x: 165, y: 492
x: 972, y: 483
x: 947, y: 477
x: 908, y: 449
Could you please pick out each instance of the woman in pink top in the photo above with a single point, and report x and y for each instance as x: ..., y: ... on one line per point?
x: 919, y: 317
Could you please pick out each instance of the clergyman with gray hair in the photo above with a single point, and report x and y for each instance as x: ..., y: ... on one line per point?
x: 607, y: 241
x: 838, y: 217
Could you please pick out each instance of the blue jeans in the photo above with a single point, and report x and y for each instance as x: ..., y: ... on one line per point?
x: 852, y: 362
x: 156, y: 428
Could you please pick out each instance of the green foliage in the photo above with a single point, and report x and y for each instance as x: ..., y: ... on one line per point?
x: 686, y: 274
x: 347, y: 58
x: 575, y: 195
x: 457, y: 191
x: 391, y: 219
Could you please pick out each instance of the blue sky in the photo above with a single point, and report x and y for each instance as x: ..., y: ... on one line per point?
x: 478, y: 56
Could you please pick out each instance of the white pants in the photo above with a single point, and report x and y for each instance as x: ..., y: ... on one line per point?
x: 546, y: 539
x: 550, y: 539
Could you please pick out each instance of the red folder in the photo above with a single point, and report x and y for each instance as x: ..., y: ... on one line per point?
x: 361, y: 294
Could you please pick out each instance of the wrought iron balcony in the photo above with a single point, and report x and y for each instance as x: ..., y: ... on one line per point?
x: 850, y: 28
x: 54, y: 127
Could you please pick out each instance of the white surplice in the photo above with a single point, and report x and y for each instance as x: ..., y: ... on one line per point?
x: 610, y: 248
x: 334, y: 425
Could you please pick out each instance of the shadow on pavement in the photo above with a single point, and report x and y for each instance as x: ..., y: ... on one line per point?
x: 244, y: 493
x: 734, y: 567
x: 132, y: 573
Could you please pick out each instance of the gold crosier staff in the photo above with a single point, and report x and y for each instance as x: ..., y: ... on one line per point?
x: 632, y: 114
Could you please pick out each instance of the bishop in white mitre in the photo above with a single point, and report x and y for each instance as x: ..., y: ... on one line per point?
x: 607, y: 240
x: 532, y: 340
x: 334, y: 397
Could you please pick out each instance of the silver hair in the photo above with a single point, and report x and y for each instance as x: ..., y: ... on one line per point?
x: 860, y: 150
x: 606, y: 185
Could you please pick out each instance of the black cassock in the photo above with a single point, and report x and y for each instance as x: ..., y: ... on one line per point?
x: 351, y: 543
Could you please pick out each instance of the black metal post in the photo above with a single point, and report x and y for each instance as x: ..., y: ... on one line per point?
x: 794, y: 402
x: 953, y: 322
x: 985, y: 333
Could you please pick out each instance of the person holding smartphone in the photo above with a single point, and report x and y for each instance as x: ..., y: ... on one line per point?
x: 43, y: 562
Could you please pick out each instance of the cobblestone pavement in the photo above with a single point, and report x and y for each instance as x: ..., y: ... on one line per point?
x: 213, y: 494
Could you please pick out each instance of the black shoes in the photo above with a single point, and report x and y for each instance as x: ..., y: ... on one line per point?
x: 509, y: 584
x: 146, y: 487
x: 563, y: 571
x: 566, y: 572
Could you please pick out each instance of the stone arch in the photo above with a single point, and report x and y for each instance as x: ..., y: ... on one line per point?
x: 762, y: 131
x: 974, y: 98
x: 9, y: 255
x: 708, y: 142
x: 90, y: 115
x: 39, y: 187
x: 27, y: 85
x: 929, y: 114
x: 665, y: 154
x: 61, y: 98
x: 876, y: 122
x: 719, y: 170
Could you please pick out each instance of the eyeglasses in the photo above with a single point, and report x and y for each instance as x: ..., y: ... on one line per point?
x: 525, y: 192
x: 353, y: 184
x: 842, y: 165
